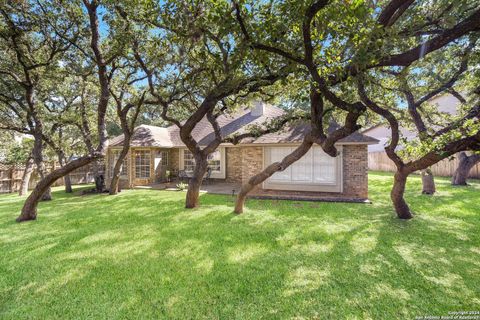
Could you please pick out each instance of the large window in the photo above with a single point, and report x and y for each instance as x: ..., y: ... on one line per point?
x: 214, y: 161
x: 115, y: 154
x: 324, y: 167
x: 314, y: 168
x: 142, y: 164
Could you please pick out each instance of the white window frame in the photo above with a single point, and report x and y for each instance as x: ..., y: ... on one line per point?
x: 310, y: 185
x: 215, y: 174
x: 143, y: 165
x: 210, y: 159
x: 165, y: 158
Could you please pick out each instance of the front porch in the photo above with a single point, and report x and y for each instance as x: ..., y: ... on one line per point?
x: 232, y: 189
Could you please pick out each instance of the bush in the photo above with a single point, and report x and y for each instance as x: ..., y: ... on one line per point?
x: 182, y: 186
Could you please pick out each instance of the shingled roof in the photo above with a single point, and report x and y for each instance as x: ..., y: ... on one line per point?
x: 294, y: 134
x: 145, y: 135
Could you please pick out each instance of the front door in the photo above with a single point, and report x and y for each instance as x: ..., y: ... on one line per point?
x: 142, y: 171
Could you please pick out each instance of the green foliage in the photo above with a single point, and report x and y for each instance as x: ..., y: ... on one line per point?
x: 15, y: 152
x: 181, y: 186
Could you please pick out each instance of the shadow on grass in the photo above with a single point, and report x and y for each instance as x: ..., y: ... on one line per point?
x: 140, y: 253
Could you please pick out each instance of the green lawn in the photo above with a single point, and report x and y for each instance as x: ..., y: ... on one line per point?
x: 141, y: 255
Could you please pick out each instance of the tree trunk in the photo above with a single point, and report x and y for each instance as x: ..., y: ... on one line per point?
x: 99, y: 179
x: 26, y: 176
x: 68, y: 183
x: 466, y: 163
x: 29, y: 210
x: 193, y: 192
x: 118, y: 167
x: 254, y: 181
x: 38, y: 158
x: 66, y: 179
x: 398, y: 190
x: 428, y: 182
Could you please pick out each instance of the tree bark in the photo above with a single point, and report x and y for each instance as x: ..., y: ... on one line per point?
x: 428, y: 182
x: 99, y: 179
x: 254, y: 181
x: 398, y: 190
x: 68, y: 184
x: 193, y: 192
x: 118, y: 166
x: 466, y: 163
x: 29, y: 210
x: 38, y: 158
x: 66, y: 180
x: 26, y: 177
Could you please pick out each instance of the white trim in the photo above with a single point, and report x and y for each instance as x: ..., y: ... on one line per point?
x: 215, y: 174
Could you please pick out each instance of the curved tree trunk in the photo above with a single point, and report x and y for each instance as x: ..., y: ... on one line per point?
x: 47, y: 195
x: 193, y: 192
x: 29, y: 210
x: 398, y: 190
x: 428, y: 182
x: 254, y: 181
x: 466, y: 163
x: 118, y: 167
x: 26, y: 177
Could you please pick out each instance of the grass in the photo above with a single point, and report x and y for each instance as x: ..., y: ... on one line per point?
x: 141, y: 255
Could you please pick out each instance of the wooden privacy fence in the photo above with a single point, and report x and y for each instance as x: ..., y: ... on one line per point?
x: 379, y: 161
x: 11, y: 176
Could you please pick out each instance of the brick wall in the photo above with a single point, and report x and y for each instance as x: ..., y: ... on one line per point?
x: 252, y: 162
x: 355, y: 171
x: 233, y: 165
x: 244, y: 162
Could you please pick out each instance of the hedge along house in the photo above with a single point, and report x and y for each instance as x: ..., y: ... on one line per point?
x: 156, y: 150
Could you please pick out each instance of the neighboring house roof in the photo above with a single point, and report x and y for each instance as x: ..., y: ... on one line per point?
x: 238, y: 123
x: 444, y: 102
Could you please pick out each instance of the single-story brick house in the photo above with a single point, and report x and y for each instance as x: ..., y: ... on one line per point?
x: 154, y: 150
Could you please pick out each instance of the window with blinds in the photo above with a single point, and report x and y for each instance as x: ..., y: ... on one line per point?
x: 315, y: 167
